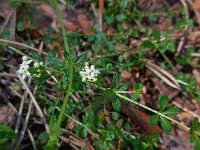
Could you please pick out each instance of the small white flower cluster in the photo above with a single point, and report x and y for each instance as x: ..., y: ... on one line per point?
x: 89, y: 73
x: 23, y: 70
x: 24, y: 66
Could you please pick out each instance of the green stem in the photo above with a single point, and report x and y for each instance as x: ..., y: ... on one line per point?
x: 154, y: 111
x: 60, y: 118
x: 58, y: 12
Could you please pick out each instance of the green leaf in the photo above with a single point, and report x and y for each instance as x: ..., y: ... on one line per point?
x: 136, y: 95
x: 195, y: 132
x: 147, y: 44
x: 172, y: 111
x: 154, y: 119
x: 116, y: 80
x: 108, y: 93
x: 166, y: 124
x: 43, y: 136
x: 156, y: 34
x: 53, y: 60
x: 116, y: 104
x: 124, y: 4
x: 120, y: 17
x: 115, y: 115
x: 164, y: 101
x: 36, y: 56
x: 6, y: 135
x: 81, y: 58
x: 137, y: 91
x: 138, y: 87
x: 84, y: 133
x: 20, y: 25
x: 124, y: 87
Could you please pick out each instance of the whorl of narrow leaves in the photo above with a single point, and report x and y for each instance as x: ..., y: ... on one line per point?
x: 137, y: 91
x: 109, y: 94
x: 169, y: 111
x: 54, y: 60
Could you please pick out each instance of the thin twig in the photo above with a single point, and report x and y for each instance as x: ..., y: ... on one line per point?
x: 195, y: 54
x: 101, y: 9
x: 34, y: 102
x: 5, y: 74
x: 6, y: 22
x: 24, y: 126
x: 29, y: 132
x: 186, y: 110
x: 21, y: 108
x: 23, y: 45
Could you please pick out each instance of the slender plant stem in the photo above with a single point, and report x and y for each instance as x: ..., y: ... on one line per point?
x: 71, y: 65
x: 154, y: 111
x: 58, y: 12
x: 64, y: 103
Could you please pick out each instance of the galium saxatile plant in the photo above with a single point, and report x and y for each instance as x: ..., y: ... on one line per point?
x: 89, y: 75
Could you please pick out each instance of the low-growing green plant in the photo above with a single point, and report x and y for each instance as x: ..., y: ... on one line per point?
x: 84, y: 73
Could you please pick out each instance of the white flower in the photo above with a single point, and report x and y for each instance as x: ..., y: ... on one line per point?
x: 36, y: 64
x: 23, y: 70
x: 92, y: 67
x: 41, y: 63
x: 24, y: 58
x: 89, y: 73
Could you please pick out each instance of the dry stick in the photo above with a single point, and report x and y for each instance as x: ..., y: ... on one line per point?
x: 23, y: 45
x: 5, y: 74
x: 162, y: 77
x: 25, y: 122
x: 94, y: 9
x: 186, y: 110
x: 24, y: 126
x: 13, y: 25
x: 29, y: 132
x: 101, y: 8
x: 6, y: 22
x: 32, y: 139
x: 163, y: 72
x: 195, y: 54
x: 34, y: 102
x: 21, y: 108
x: 182, y: 40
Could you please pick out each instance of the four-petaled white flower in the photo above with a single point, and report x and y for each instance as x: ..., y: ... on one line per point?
x: 23, y: 70
x: 89, y: 73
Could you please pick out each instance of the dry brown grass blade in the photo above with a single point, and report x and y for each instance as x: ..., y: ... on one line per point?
x: 161, y: 73
x: 22, y: 45
x: 195, y: 54
x: 165, y: 73
x: 34, y: 102
x: 101, y: 9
